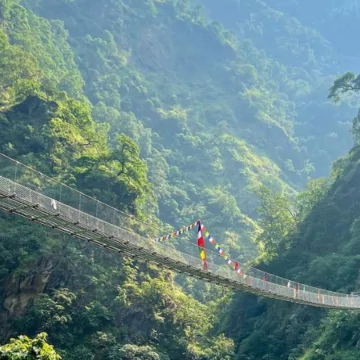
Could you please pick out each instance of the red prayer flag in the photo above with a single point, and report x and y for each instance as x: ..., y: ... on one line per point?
x: 236, y: 266
x: 201, y: 245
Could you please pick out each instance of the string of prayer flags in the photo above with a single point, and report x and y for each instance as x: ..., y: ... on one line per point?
x: 200, y: 241
x: 222, y: 253
x: 201, y: 245
x: 176, y: 233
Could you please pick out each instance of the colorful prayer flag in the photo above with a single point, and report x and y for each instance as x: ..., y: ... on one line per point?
x: 201, y: 245
x: 236, y: 266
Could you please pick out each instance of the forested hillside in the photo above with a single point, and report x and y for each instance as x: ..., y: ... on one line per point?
x: 224, y: 116
x: 92, y: 305
x: 337, y: 21
x: 156, y: 109
x: 309, y: 61
x: 324, y: 253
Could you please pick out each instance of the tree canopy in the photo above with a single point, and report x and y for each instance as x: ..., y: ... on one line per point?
x: 24, y: 348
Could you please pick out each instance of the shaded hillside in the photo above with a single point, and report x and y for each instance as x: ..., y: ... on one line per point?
x: 337, y: 21
x: 325, y: 255
x: 324, y: 252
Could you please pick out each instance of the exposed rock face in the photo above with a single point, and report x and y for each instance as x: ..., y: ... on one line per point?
x: 21, y: 289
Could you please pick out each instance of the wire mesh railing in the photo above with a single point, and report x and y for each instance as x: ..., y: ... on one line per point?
x: 88, y: 213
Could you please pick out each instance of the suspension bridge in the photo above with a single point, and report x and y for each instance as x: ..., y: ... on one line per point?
x: 41, y: 199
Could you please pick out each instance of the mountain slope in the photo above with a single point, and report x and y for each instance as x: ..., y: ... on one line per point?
x: 324, y: 254
x: 221, y: 118
x: 310, y: 60
x: 93, y: 305
x: 338, y: 22
x: 210, y: 115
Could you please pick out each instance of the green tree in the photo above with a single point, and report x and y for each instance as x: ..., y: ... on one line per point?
x: 306, y: 200
x: 4, y: 12
x: 24, y: 348
x: 133, y: 352
x: 118, y: 176
x: 19, y: 72
x: 347, y: 84
x: 277, y: 218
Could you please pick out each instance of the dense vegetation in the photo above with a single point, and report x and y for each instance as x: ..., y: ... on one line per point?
x: 24, y: 348
x: 324, y: 253
x: 153, y: 108
x: 107, y: 311
x: 320, y: 247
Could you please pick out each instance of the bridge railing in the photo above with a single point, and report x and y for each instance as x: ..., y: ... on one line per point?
x: 60, y: 192
x: 52, y: 195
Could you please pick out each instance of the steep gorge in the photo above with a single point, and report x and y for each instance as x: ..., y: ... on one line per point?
x: 209, y: 116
